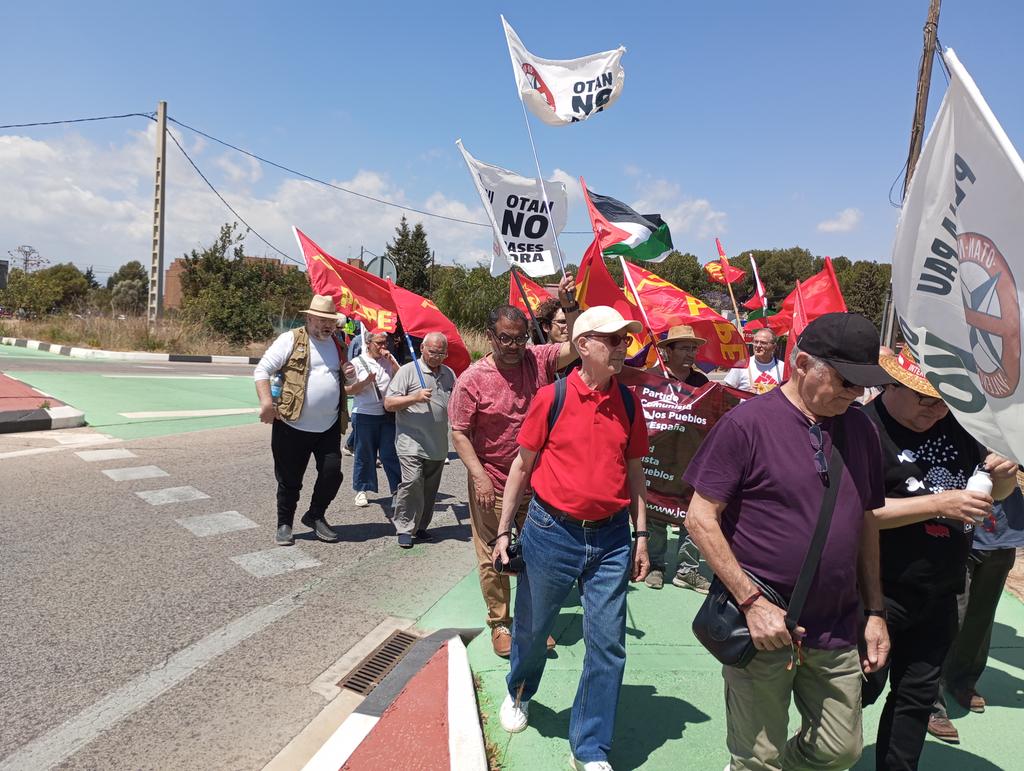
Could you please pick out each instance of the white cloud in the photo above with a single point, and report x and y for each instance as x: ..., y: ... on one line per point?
x: 573, y: 191
x: 90, y: 203
x: 684, y: 214
x: 844, y: 222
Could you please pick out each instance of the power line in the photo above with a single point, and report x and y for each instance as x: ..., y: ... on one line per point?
x: 150, y: 115
x: 224, y: 201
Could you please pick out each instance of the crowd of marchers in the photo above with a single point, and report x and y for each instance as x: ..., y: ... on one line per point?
x: 917, y: 523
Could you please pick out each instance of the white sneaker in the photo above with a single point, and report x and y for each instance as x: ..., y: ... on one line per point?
x: 361, y: 499
x: 593, y: 765
x: 513, y: 718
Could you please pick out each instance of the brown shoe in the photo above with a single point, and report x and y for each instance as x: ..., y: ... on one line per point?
x: 943, y: 729
x: 501, y: 641
x: 551, y: 643
x: 969, y: 699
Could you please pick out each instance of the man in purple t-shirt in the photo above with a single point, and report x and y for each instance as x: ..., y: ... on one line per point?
x: 759, y: 479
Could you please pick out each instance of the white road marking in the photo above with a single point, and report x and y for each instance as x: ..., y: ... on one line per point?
x: 135, y: 472
x: 214, y: 524
x: 189, y: 413
x: 168, y: 377
x: 57, y: 745
x: 94, y: 455
x: 33, y: 451
x: 171, y: 495
x: 275, y: 562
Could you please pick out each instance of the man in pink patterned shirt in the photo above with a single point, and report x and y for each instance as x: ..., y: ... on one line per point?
x: 486, y: 410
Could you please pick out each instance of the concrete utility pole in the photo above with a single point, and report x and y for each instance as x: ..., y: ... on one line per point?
x: 924, y: 80
x: 156, y: 270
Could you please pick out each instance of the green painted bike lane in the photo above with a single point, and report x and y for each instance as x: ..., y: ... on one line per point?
x: 672, y: 704
x: 106, y: 398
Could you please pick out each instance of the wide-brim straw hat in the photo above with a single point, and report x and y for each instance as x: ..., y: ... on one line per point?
x: 904, y: 370
x: 681, y: 333
x: 322, y: 305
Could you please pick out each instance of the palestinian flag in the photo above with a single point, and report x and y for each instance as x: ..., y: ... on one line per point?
x: 621, y: 231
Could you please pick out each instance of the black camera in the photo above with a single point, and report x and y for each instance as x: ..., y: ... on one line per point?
x: 515, y: 563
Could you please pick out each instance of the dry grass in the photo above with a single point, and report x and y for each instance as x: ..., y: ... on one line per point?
x: 170, y: 336
x: 476, y: 342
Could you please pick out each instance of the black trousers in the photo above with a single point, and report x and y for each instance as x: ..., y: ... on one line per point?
x: 291, y: 449
x: 921, y: 632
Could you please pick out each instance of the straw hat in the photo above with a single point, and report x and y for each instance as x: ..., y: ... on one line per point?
x: 681, y: 333
x: 904, y: 370
x: 322, y: 305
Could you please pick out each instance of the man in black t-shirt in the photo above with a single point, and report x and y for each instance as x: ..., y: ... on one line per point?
x: 926, y: 527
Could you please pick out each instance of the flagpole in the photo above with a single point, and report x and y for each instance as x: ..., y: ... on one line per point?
x: 643, y: 312
x: 526, y: 301
x: 415, y: 361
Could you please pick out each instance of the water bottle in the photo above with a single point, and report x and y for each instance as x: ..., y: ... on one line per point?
x: 980, y: 482
x: 276, y: 385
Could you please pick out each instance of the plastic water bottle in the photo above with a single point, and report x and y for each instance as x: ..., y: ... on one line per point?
x: 276, y: 385
x: 980, y: 481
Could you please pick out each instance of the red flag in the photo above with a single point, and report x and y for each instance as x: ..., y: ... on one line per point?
x: 604, y: 231
x: 356, y: 293
x: 821, y: 295
x: 535, y: 294
x: 800, y: 321
x: 722, y: 272
x: 667, y: 305
x: 420, y: 317
x: 760, y: 298
x: 595, y: 285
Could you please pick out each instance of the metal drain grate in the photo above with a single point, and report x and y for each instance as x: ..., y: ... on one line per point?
x: 375, y: 667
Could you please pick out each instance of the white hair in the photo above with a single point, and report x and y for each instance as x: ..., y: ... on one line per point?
x: 435, y: 337
x: 816, y: 363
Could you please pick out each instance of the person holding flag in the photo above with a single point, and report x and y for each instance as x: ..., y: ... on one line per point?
x: 764, y: 371
x: 486, y: 410
x: 552, y: 321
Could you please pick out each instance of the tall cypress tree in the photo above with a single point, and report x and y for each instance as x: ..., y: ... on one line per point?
x: 411, y: 255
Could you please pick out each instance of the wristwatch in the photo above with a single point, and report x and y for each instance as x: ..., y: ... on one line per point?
x: 570, y: 308
x: 641, y: 533
x: 873, y: 612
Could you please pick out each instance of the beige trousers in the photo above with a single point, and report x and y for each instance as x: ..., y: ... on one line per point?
x: 496, y: 588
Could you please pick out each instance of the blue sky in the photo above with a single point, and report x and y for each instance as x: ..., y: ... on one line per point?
x: 759, y: 123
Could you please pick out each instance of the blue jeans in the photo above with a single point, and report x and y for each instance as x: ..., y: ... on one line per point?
x: 375, y: 435
x: 558, y: 555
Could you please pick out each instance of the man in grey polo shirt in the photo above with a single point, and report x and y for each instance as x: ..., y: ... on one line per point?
x: 421, y: 435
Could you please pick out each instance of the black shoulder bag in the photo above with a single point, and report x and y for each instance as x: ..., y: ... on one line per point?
x: 720, y: 625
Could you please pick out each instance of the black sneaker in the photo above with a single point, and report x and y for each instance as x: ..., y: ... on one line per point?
x: 423, y: 535
x: 284, y: 535
x: 405, y: 540
x: 320, y: 528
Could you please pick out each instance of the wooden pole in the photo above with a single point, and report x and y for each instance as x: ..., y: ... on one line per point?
x: 526, y: 301
x: 924, y: 80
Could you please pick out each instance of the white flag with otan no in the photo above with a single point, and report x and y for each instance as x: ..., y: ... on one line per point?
x: 564, y: 91
x: 958, y: 266
x: 525, y: 224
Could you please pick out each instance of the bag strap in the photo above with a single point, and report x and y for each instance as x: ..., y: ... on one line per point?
x: 556, y: 404
x: 828, y: 505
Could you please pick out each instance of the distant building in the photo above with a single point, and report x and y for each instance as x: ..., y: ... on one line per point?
x: 172, y: 277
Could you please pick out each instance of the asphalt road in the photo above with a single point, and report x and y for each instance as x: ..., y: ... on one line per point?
x: 131, y: 639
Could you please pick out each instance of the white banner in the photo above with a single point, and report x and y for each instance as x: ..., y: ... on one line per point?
x: 566, y: 91
x: 523, y: 231
x: 958, y: 266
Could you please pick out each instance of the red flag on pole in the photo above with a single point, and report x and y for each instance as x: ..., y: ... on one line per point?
x: 821, y: 294
x: 800, y: 321
x: 535, y: 293
x: 595, y: 285
x: 722, y: 272
x: 420, y: 317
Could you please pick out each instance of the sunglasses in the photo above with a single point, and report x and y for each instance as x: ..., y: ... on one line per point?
x: 507, y: 340
x: 615, y: 339
x: 845, y: 383
x: 820, y: 461
x: 924, y: 401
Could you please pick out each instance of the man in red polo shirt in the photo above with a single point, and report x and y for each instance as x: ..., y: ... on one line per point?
x: 577, y: 529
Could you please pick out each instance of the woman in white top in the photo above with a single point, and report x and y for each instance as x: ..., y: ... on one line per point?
x: 374, y: 427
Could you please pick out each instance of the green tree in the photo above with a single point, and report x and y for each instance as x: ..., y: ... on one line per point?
x: 130, y: 270
x: 467, y: 295
x: 130, y: 296
x: 31, y: 294
x: 411, y: 255
x: 865, y: 285
x: 237, y: 296
x: 90, y: 277
x: 97, y: 302
x: 73, y: 286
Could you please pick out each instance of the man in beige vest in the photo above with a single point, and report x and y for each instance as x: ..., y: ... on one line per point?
x: 308, y: 418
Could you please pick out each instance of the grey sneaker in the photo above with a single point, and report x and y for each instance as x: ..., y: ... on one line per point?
x: 284, y: 536
x: 655, y: 579
x: 691, y: 579
x: 320, y: 528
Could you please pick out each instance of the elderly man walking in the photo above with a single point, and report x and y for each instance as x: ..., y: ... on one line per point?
x: 764, y: 372
x: 310, y: 417
x: 760, y: 479
x: 577, y: 530
x: 927, y: 525
x: 679, y: 347
x: 486, y: 411
x: 421, y: 435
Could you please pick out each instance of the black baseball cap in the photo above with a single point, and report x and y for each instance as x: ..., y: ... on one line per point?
x: 847, y: 342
